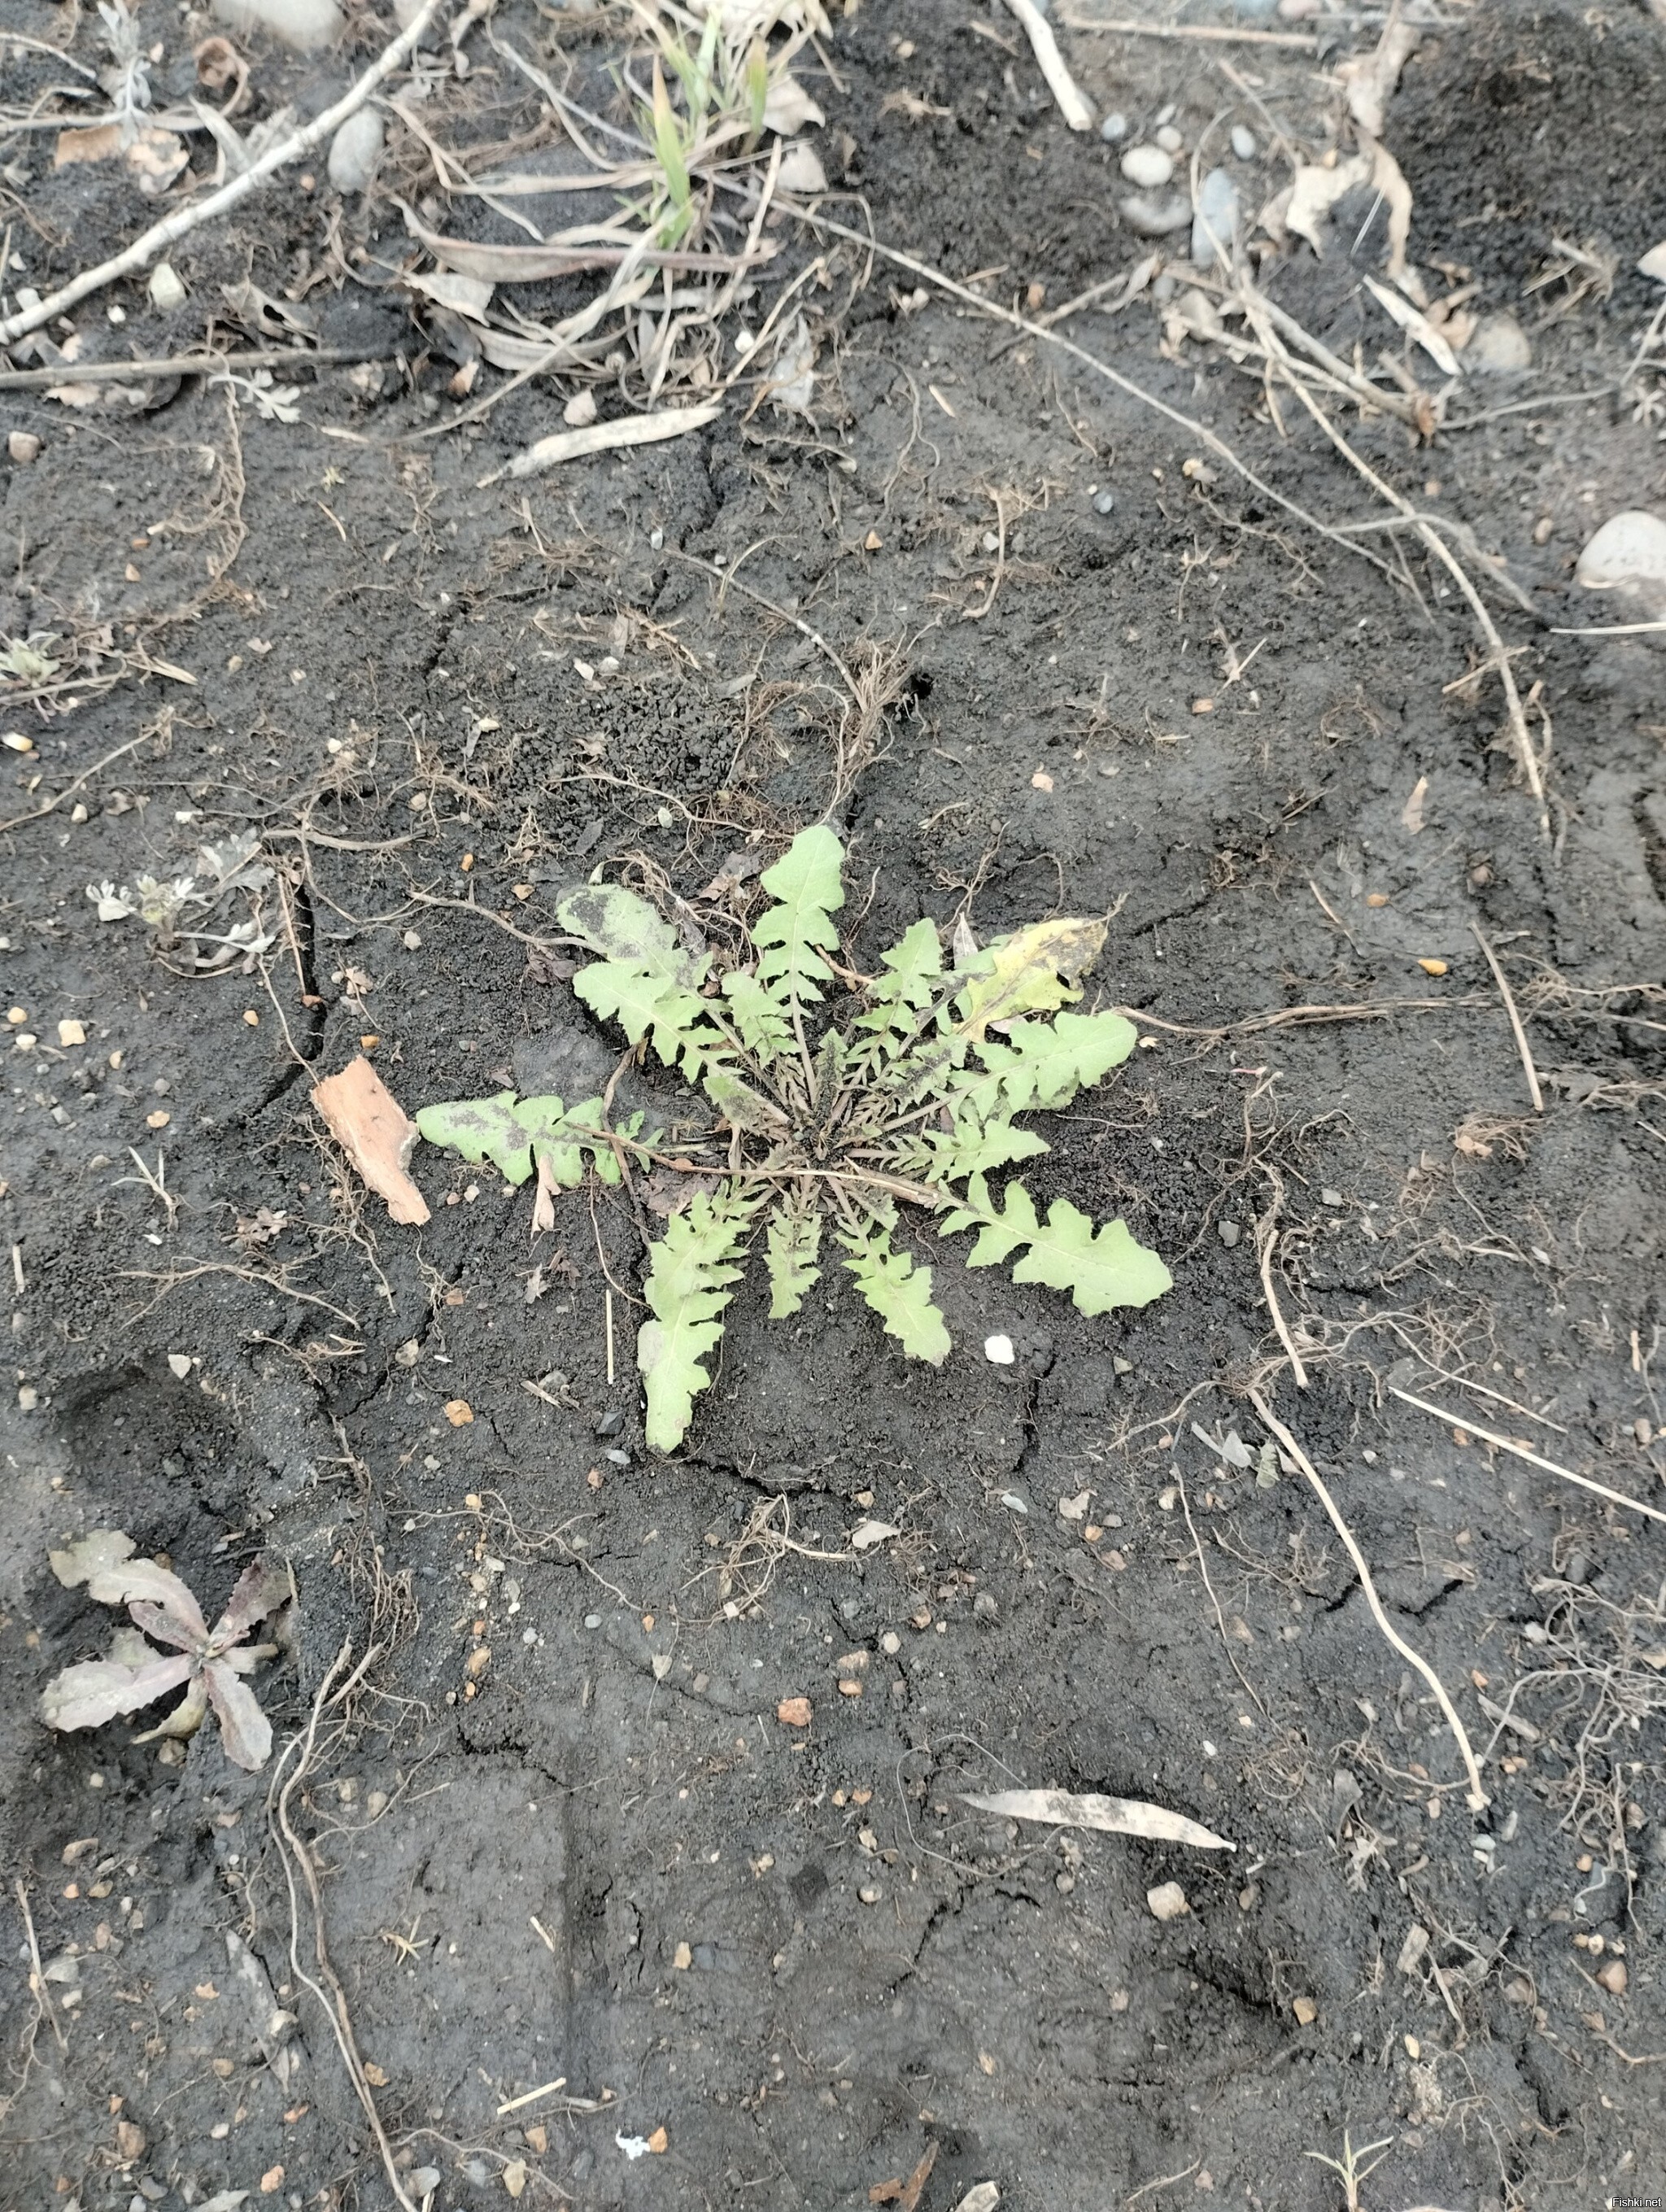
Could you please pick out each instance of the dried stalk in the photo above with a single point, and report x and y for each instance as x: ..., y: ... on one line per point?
x: 1508, y: 1444
x: 1521, y: 1046
x: 1478, y: 1799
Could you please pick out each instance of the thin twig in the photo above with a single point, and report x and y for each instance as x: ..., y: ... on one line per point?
x: 1478, y: 1799
x: 38, y: 1984
x: 1051, y: 63
x: 145, y: 249
x: 1214, y: 33
x: 1460, y: 575
x: 51, y: 806
x: 1267, y: 1240
x: 1521, y: 1046
x: 1507, y: 1443
x: 189, y: 364
x: 1220, y: 1621
x: 1215, y: 444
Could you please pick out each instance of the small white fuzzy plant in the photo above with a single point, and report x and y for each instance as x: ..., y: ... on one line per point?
x: 817, y: 1132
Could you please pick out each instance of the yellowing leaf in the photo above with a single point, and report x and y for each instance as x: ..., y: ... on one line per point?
x: 1021, y: 974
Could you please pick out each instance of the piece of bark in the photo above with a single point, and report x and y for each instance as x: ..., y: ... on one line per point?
x: 369, y: 1124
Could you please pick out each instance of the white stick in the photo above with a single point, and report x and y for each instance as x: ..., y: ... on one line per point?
x: 1507, y: 1443
x: 162, y: 234
x: 604, y: 437
x: 1071, y: 106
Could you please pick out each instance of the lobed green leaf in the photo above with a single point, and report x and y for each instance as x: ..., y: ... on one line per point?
x: 792, y: 934
x: 898, y: 1291
x: 690, y: 1278
x: 792, y: 1245
x: 1100, y: 1270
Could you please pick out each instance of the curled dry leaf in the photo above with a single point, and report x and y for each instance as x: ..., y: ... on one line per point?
x: 1111, y: 1816
x: 867, y: 1534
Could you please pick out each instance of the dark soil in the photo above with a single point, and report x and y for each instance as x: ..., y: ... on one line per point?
x: 595, y: 1858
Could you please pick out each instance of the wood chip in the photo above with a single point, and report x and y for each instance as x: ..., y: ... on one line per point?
x: 906, y: 2194
x: 659, y: 2140
x: 368, y: 1123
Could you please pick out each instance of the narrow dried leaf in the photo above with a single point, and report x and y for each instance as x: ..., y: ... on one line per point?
x: 142, y: 1580
x: 1110, y: 1816
x: 906, y: 2194
x: 245, y: 1730
x: 263, y: 1586
x: 370, y: 1126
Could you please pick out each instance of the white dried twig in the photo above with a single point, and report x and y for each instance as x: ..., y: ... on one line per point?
x: 160, y: 236
x: 1063, y: 87
x: 1478, y: 1799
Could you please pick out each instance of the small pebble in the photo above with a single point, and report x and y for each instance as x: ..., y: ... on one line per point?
x: 355, y: 150
x: 1244, y: 142
x: 1103, y: 502
x: 1167, y: 1901
x: 1229, y: 1233
x: 1169, y: 139
x: 164, y: 288
x: 23, y: 447
x: 1499, y: 346
x: 1114, y: 128
x: 1329, y: 1197
x: 1148, y: 167
x: 593, y: 1621
x: 1153, y: 218
x: 1165, y: 114
x: 998, y: 1349
x: 422, y: 2179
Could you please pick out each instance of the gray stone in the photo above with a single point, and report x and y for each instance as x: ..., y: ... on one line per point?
x: 1498, y: 346
x: 1243, y: 143
x: 1148, y: 167
x: 1152, y: 217
x: 1214, y: 226
x: 1115, y: 128
x: 354, y: 151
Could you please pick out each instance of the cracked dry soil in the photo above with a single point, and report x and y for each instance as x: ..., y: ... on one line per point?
x: 594, y: 1856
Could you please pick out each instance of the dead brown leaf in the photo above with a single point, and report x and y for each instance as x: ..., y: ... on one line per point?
x: 906, y: 2194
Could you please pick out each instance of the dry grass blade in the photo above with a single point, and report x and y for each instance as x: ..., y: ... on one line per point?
x: 1030, y: 328
x: 1478, y: 1799
x: 1109, y: 1816
x: 1214, y: 33
x: 1522, y: 1045
x: 1508, y: 1444
x: 605, y: 437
